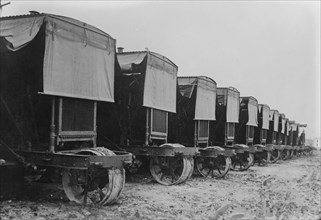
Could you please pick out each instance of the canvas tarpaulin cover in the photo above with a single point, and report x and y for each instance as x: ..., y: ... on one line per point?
x: 19, y: 32
x: 233, y: 106
x: 274, y: 116
x: 283, y: 124
x: 79, y: 58
x: 205, y: 95
x: 252, y: 111
x: 265, y: 110
x: 160, y: 78
x: 294, y: 126
x: 232, y: 102
x: 127, y: 61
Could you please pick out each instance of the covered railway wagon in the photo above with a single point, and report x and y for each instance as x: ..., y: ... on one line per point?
x: 196, y: 105
x: 303, y: 149
x: 288, y: 147
x: 245, y: 128
x: 54, y: 70
x: 294, y: 137
x: 59, y: 79
x: 222, y: 130
x: 146, y: 92
x: 272, y: 135
x: 260, y: 135
x: 282, y: 137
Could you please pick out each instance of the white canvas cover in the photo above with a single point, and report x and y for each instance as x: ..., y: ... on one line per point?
x: 283, y: 124
x: 294, y: 126
x: 79, y: 58
x: 265, y: 110
x: 274, y: 115
x: 160, y: 72
x: 126, y: 60
x: 160, y: 78
x: 232, y: 101
x: 252, y: 111
x: 78, y: 62
x: 19, y: 32
x: 205, y: 96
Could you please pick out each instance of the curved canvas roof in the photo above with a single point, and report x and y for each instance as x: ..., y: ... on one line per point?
x: 252, y: 110
x: 160, y: 77
x: 205, y: 104
x: 274, y: 116
x: 78, y: 59
x: 232, y: 102
x: 265, y: 110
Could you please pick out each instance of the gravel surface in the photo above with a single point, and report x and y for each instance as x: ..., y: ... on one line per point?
x: 286, y: 190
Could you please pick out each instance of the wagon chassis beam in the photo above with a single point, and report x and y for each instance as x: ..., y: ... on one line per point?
x: 160, y: 151
x: 70, y: 160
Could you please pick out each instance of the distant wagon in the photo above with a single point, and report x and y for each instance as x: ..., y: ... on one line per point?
x: 146, y: 86
x: 196, y: 105
x: 272, y: 135
x: 282, y: 138
x: 223, y: 129
x: 263, y: 155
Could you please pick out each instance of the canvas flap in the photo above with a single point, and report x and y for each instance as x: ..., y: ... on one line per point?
x: 252, y: 111
x: 19, y: 32
x: 233, y: 106
x: 78, y: 62
x: 283, y: 125
x: 265, y: 117
x: 160, y: 83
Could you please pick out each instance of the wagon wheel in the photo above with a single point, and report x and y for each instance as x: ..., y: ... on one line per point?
x: 171, y: 170
x: 275, y: 155
x: 285, y: 154
x: 292, y: 154
x: 213, y: 167
x: 191, y: 170
x: 104, y: 186
x: 263, y: 158
x: 242, y: 162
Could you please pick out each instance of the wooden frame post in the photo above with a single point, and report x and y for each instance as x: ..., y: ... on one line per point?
x: 52, y: 127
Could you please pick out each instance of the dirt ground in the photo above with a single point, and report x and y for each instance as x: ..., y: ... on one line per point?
x: 285, y: 190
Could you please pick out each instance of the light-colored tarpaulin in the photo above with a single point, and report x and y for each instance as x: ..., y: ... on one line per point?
x: 19, y: 32
x: 252, y: 111
x: 233, y: 106
x: 160, y: 78
x: 294, y: 126
x: 265, y: 110
x: 283, y: 125
x: 79, y: 58
x: 274, y: 116
x: 205, y: 95
x: 127, y: 60
x: 232, y: 97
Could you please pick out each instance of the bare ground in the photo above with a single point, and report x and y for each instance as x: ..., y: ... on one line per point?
x: 285, y: 190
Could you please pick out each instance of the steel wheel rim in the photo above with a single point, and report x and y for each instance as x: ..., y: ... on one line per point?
x: 106, y: 185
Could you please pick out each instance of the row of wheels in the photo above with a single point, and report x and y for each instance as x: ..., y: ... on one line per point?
x: 104, y: 186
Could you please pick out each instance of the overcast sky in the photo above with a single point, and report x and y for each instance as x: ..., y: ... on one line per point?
x: 266, y: 49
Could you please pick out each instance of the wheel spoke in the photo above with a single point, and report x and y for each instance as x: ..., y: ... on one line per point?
x: 209, y: 170
x: 218, y: 169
